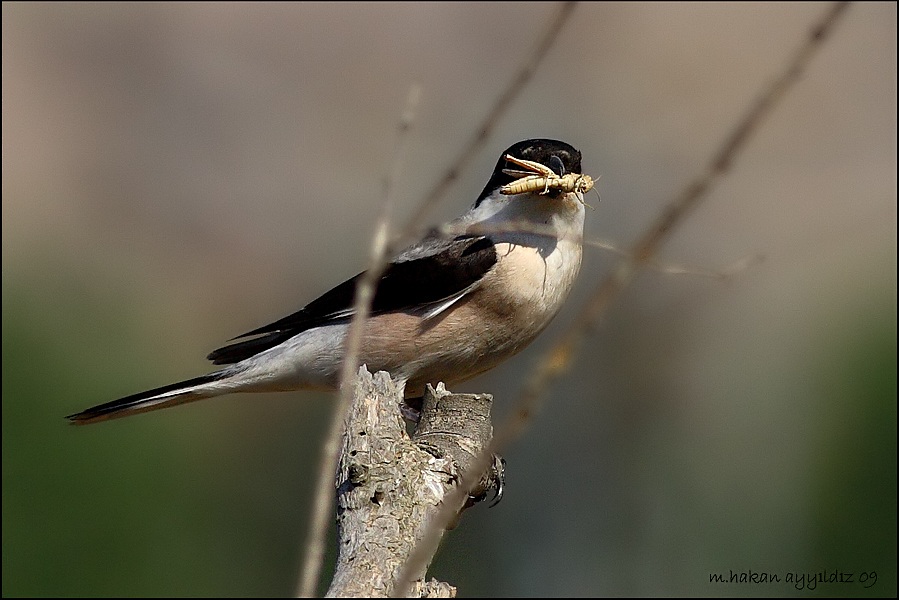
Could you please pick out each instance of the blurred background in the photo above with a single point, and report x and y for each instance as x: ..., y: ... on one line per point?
x: 174, y: 175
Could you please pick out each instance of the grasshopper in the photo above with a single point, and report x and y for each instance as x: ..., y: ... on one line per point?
x: 540, y: 178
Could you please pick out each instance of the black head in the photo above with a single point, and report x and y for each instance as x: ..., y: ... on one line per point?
x: 558, y: 156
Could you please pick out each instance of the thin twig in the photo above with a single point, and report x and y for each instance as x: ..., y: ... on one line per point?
x: 556, y: 361
x: 314, y: 550
x: 558, y: 358
x: 324, y: 489
x: 741, y: 264
x: 482, y: 134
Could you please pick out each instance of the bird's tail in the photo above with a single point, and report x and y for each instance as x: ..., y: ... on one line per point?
x: 162, y: 397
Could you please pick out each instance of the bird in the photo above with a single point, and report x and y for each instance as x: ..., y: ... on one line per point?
x: 467, y: 296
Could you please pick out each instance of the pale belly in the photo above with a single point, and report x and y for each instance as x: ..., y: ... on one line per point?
x: 513, y: 305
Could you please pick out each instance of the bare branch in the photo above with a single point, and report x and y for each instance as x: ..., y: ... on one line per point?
x: 321, y: 505
x: 469, y: 151
x: 556, y: 361
x: 450, y: 230
x: 390, y: 485
x: 380, y: 251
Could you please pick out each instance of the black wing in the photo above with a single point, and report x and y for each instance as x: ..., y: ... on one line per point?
x: 427, y: 273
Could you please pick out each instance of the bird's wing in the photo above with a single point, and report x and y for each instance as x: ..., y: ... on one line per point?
x: 433, y: 274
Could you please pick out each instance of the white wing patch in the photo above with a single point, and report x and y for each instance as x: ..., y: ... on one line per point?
x: 447, y: 303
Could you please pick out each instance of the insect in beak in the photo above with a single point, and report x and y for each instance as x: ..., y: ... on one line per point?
x: 536, y: 177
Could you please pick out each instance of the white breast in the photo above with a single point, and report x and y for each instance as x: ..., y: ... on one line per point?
x: 538, y: 242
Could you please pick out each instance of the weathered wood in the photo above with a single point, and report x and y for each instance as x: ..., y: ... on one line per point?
x: 389, y: 486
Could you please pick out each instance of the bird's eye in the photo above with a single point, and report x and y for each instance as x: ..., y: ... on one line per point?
x: 556, y: 164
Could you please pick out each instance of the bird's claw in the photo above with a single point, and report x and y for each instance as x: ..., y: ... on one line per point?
x: 494, y: 479
x: 499, y: 479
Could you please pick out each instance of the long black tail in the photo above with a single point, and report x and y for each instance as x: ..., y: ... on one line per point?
x: 162, y: 397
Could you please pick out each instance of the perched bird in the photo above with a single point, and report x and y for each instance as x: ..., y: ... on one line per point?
x: 468, y: 296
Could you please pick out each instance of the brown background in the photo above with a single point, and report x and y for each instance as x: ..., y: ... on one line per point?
x: 176, y: 174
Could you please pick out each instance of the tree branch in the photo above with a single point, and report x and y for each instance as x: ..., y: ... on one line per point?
x: 558, y: 358
x: 389, y: 486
